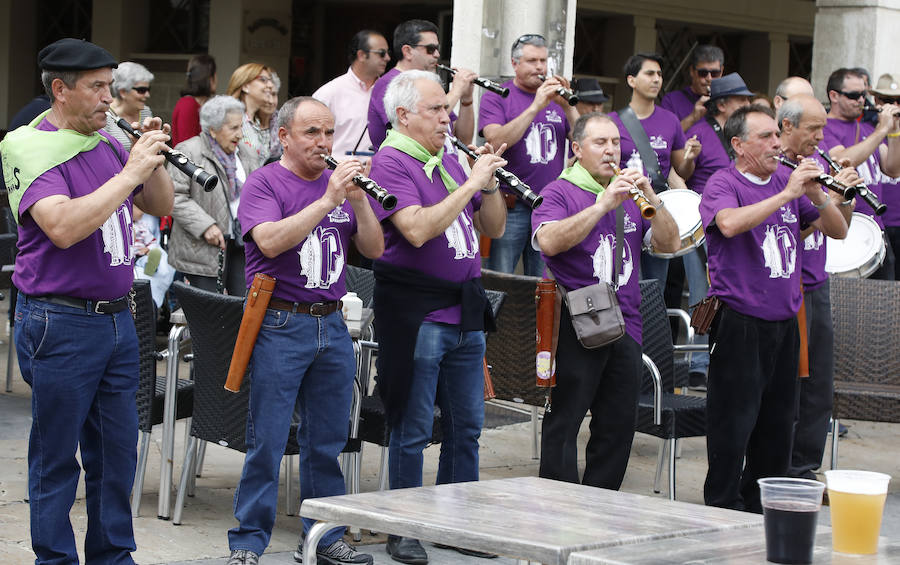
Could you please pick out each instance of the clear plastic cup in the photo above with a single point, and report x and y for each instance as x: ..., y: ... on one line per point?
x: 857, y: 502
x: 790, y: 512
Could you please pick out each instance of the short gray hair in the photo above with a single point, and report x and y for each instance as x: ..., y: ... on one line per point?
x: 69, y: 79
x: 127, y: 74
x: 792, y: 111
x: 213, y: 113
x: 285, y: 117
x: 522, y: 41
x: 402, y: 92
x: 583, y: 121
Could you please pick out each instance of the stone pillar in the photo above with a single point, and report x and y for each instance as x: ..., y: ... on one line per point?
x: 250, y: 31
x: 644, y: 34
x: 779, y: 58
x: 119, y: 27
x: 854, y: 33
x: 18, y: 57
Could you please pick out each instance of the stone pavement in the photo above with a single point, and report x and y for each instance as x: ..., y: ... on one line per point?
x: 505, y: 452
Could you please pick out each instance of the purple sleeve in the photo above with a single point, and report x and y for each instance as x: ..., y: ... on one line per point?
x: 678, y: 137
x: 553, y: 208
x: 258, y: 204
x: 830, y: 138
x: 51, y: 183
x: 718, y: 195
x: 808, y: 212
x: 491, y: 111
x: 391, y: 173
x: 377, y: 115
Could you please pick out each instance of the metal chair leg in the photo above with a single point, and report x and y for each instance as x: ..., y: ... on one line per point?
x: 535, y: 434
x: 183, y: 483
x: 835, y: 433
x: 383, y: 470
x: 289, y: 495
x: 673, y: 452
x: 192, y: 476
x: 201, y: 457
x: 10, y: 358
x: 138, y: 487
x: 659, y: 463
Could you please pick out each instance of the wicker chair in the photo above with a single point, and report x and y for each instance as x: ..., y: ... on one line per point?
x: 152, y: 387
x: 219, y: 416
x: 362, y: 282
x: 510, y: 350
x: 866, y: 364
x: 661, y: 412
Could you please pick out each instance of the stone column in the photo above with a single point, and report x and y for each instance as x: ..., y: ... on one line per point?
x: 18, y: 56
x: 854, y: 33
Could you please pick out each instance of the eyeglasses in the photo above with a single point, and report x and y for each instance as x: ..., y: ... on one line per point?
x: 703, y: 73
x: 265, y: 80
x: 528, y: 38
x: 141, y: 89
x: 431, y: 48
x: 384, y: 52
x: 855, y: 95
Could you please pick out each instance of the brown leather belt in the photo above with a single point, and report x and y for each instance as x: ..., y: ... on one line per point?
x: 95, y: 306
x: 315, y: 309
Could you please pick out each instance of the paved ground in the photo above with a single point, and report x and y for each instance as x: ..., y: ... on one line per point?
x: 505, y: 452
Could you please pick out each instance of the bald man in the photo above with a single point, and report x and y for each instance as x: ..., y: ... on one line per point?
x: 802, y: 119
x: 791, y: 86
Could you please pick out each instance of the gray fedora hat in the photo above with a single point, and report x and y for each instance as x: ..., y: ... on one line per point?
x: 589, y: 90
x: 729, y: 85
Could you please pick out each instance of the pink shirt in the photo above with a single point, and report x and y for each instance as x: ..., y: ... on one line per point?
x: 347, y: 96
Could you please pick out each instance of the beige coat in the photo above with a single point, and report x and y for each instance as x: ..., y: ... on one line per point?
x: 196, y: 210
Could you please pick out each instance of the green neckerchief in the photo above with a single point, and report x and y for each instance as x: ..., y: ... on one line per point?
x: 580, y: 177
x: 414, y: 149
x: 28, y: 153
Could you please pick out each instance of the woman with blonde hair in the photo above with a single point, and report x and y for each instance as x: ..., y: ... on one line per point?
x: 254, y: 84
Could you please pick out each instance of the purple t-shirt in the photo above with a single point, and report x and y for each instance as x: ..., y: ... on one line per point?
x: 890, y: 196
x: 539, y: 157
x: 592, y: 260
x: 711, y: 158
x: 453, y: 256
x: 665, y: 133
x: 313, y: 271
x: 99, y: 267
x: 680, y: 102
x: 756, y: 273
x: 847, y: 134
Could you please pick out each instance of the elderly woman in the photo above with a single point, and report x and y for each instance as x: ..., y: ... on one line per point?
x: 254, y: 85
x: 130, y: 90
x: 205, y: 222
x: 199, y: 86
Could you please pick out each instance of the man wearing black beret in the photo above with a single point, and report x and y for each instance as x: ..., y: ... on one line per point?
x: 71, y: 189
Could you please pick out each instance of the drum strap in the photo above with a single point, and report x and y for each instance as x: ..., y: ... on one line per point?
x: 720, y: 133
x: 648, y: 156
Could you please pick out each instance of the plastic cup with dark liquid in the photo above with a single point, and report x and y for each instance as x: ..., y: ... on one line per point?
x: 790, y: 512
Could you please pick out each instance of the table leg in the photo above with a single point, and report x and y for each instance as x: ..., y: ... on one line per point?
x: 168, y: 445
x: 311, y: 541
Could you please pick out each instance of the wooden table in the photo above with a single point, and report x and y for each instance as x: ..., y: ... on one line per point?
x: 527, y: 518
x: 740, y: 547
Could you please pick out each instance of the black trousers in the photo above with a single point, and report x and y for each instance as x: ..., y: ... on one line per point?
x: 749, y: 406
x: 893, y: 238
x: 605, y: 381
x: 235, y: 278
x: 887, y: 270
x: 816, y: 393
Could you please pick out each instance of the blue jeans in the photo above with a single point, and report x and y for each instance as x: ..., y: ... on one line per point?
x: 515, y: 243
x: 447, y: 365
x: 698, y: 286
x: 653, y: 267
x: 83, y: 372
x: 308, y: 361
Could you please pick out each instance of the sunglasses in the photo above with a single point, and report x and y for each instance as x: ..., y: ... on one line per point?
x: 527, y: 38
x: 703, y: 73
x: 431, y: 48
x: 141, y: 89
x: 855, y: 95
x: 384, y: 53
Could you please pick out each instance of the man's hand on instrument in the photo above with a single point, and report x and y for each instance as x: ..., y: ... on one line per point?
x: 887, y: 122
x: 801, y: 180
x: 486, y: 148
x: 700, y: 107
x: 462, y: 84
x: 848, y: 177
x: 152, y: 124
x: 214, y: 236
x: 146, y: 155
x: 618, y: 191
x: 484, y: 167
x: 341, y: 186
x: 546, y: 93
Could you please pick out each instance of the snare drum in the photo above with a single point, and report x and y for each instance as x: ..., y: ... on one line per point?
x: 859, y: 254
x: 684, y: 205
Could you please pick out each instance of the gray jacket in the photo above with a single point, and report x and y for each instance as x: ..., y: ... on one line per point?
x: 196, y: 210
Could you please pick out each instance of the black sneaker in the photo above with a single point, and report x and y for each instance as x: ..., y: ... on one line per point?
x: 336, y: 554
x: 697, y: 381
x: 243, y: 557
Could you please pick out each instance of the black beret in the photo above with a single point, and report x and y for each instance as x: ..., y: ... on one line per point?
x: 71, y: 54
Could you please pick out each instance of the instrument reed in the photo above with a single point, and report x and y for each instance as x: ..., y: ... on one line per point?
x: 522, y: 190
x: 566, y: 93
x: 482, y: 82
x: 648, y: 210
x: 387, y: 200
x: 862, y: 190
x: 176, y: 157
